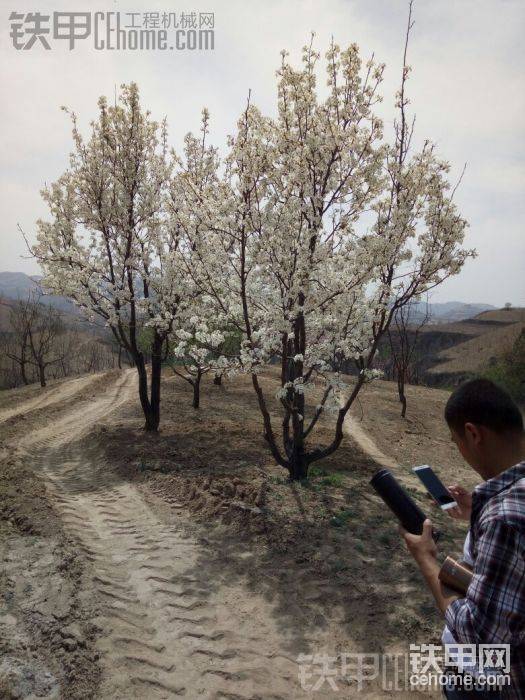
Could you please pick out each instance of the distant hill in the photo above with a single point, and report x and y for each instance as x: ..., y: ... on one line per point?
x: 17, y: 285
x: 448, y: 311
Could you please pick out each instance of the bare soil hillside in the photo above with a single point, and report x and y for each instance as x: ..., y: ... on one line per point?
x: 474, y: 343
x: 476, y: 354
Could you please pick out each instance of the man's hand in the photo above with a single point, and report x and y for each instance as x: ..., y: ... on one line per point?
x: 463, y: 499
x: 421, y: 547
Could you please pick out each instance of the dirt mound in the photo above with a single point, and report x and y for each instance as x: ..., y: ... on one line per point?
x: 218, y: 498
x: 511, y: 315
x: 46, y: 639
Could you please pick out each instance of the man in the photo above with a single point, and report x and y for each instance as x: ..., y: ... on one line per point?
x: 487, y: 427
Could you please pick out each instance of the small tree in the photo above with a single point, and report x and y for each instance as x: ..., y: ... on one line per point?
x: 107, y: 246
x: 194, y: 350
x: 403, y: 337
x: 38, y: 333
x: 16, y: 342
x: 46, y: 329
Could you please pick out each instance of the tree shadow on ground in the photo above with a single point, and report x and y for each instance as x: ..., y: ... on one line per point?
x: 326, y: 560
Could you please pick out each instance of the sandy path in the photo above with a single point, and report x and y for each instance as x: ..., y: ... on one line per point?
x: 353, y: 428
x: 165, y: 629
x: 62, y: 392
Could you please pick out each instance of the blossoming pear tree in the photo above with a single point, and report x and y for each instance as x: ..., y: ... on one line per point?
x: 197, y: 337
x: 312, y: 234
x: 107, y: 246
x: 195, y: 351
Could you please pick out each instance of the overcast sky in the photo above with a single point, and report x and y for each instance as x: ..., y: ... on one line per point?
x: 466, y: 87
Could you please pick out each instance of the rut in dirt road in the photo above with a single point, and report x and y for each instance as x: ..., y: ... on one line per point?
x: 164, y: 632
x: 55, y: 395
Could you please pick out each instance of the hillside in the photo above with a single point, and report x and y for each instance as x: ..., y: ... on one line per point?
x: 485, y: 338
x: 4, y: 315
x: 79, y: 348
x: 16, y: 285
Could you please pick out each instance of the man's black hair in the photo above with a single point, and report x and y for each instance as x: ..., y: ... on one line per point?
x: 482, y: 402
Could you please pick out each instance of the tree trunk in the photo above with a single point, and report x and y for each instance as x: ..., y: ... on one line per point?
x: 156, y: 371
x: 23, y: 373
x: 298, y: 464
x: 152, y: 419
x: 217, y: 380
x: 120, y: 357
x: 42, y: 375
x: 197, y: 390
x: 401, y: 392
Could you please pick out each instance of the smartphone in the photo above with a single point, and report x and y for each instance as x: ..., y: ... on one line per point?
x: 434, y: 486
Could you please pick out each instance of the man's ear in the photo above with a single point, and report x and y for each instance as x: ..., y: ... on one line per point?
x: 473, y: 433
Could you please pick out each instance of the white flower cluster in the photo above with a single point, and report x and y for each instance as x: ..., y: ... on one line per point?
x: 371, y: 374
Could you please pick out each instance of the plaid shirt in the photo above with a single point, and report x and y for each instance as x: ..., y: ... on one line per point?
x: 493, y: 610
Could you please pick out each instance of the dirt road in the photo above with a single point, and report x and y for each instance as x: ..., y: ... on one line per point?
x: 64, y: 391
x: 158, y: 602
x: 164, y: 630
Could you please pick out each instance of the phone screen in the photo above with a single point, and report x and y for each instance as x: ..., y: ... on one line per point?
x: 434, y: 486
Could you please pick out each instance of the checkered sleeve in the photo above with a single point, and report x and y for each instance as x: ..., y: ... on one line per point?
x: 492, y: 610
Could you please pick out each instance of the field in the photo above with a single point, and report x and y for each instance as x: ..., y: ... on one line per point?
x: 144, y: 566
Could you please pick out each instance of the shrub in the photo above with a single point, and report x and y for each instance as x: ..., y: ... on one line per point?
x: 509, y: 370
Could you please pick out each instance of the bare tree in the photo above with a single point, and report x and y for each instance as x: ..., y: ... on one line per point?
x: 36, y: 337
x: 403, y: 337
x: 45, y: 326
x: 16, y: 342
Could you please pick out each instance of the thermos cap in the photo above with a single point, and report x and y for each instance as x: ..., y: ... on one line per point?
x: 379, y: 475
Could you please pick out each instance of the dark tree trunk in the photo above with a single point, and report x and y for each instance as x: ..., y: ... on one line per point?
x: 151, y: 417
x: 23, y: 359
x: 42, y: 375
x: 119, y: 357
x: 217, y: 380
x: 23, y: 373
x: 196, y: 390
x: 156, y: 370
x: 143, y: 384
x: 298, y: 464
x: 401, y: 392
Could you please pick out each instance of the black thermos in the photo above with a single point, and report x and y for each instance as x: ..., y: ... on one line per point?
x: 397, y: 499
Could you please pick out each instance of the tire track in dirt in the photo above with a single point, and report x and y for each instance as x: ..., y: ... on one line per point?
x: 164, y: 631
x: 63, y: 392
